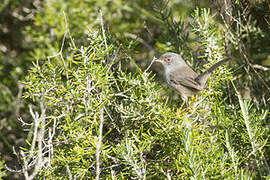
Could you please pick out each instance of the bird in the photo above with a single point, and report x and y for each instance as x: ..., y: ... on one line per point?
x: 182, y: 77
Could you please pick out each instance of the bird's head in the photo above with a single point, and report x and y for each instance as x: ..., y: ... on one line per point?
x: 171, y: 60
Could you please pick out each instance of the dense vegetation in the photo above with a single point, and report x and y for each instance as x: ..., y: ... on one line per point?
x: 81, y: 96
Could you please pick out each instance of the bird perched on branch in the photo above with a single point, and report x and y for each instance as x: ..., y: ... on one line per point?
x: 182, y: 77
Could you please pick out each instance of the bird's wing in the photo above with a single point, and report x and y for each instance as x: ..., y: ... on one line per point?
x: 185, y: 76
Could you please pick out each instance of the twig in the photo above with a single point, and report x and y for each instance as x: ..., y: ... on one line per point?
x: 113, y: 122
x: 154, y: 58
x: 18, y: 100
x: 33, y: 161
x: 146, y: 44
x: 62, y: 47
x: 257, y: 66
x: 98, y: 148
x: 69, y: 173
x: 99, y: 143
x: 134, y: 63
x: 103, y: 30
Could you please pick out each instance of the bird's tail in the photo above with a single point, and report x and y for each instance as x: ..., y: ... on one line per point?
x: 202, y: 78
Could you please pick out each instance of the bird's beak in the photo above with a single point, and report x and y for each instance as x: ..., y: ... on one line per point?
x: 159, y: 60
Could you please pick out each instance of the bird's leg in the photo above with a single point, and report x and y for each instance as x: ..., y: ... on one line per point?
x: 181, y: 106
x: 190, y: 104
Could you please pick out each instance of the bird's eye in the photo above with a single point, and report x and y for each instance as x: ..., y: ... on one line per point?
x: 168, y: 59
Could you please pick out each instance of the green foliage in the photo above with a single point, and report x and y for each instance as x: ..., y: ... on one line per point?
x: 2, y: 171
x: 94, y: 112
x: 74, y: 102
x: 142, y: 137
x: 176, y: 32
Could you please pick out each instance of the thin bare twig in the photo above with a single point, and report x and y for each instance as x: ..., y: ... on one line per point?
x: 103, y: 30
x: 33, y: 161
x: 62, y: 47
x: 98, y: 147
x: 99, y: 143
x: 153, y: 60
x: 146, y: 44
x: 260, y: 67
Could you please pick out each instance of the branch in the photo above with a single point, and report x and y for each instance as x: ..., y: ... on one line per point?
x: 257, y: 66
x: 146, y: 44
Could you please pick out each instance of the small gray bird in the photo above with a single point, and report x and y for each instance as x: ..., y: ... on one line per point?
x: 181, y: 77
